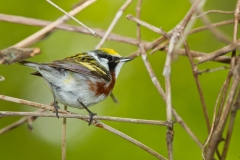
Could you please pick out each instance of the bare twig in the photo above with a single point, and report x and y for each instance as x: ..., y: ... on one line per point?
x: 168, y: 96
x: 50, y: 108
x: 36, y: 36
x: 177, y: 31
x: 72, y: 28
x: 114, y: 22
x: 138, y: 14
x: 214, y: 11
x: 161, y: 92
x: 214, y: 120
x: 195, y: 74
x: 128, y: 138
x: 76, y: 20
x: 233, y: 63
x: 217, y: 133
x: 222, y: 97
x: 219, y: 52
x: 230, y: 127
x: 218, y: 34
x: 167, y: 73
x: 19, y: 122
x: 159, y: 47
x: 12, y: 54
x: 85, y: 117
x: 64, y: 130
x: 187, y: 129
x: 203, y: 28
x: 149, y: 26
x: 151, y: 72
x: 96, y: 123
x: 212, y: 70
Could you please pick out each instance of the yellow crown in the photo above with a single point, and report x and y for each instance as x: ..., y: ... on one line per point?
x: 109, y: 51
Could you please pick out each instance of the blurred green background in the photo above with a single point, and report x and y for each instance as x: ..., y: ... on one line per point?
x: 137, y: 95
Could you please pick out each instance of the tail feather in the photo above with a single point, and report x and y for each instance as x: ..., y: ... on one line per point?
x: 32, y: 65
x: 29, y: 64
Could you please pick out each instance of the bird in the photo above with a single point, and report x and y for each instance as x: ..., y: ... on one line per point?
x: 81, y: 80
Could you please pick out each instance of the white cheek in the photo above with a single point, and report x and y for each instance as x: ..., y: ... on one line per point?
x: 104, y: 62
x: 118, y: 68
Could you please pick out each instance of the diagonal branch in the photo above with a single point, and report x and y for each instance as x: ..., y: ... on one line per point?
x: 38, y: 35
x: 195, y: 74
x: 114, y: 22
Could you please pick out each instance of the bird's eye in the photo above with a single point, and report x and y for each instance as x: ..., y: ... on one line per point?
x: 110, y: 59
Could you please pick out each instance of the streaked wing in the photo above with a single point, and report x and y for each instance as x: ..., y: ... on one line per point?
x: 83, y: 64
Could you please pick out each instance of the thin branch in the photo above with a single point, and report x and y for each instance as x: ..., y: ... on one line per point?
x: 50, y: 108
x: 138, y: 14
x: 212, y: 70
x: 160, y: 47
x: 76, y: 20
x: 64, y: 130
x: 19, y: 122
x: 151, y: 72
x: 187, y: 129
x: 73, y: 115
x: 100, y: 33
x: 187, y: 23
x: 213, y: 122
x: 137, y: 143
x: 223, y: 95
x: 166, y: 74
x: 114, y: 22
x: 168, y: 95
x: 217, y: 133
x: 215, y: 11
x: 231, y: 125
x: 218, y: 34
x: 72, y: 28
x: 203, y: 28
x: 233, y: 61
x: 12, y: 54
x: 147, y: 25
x: 219, y: 52
x: 200, y: 92
x: 197, y: 54
x: 38, y: 35
x: 86, y: 118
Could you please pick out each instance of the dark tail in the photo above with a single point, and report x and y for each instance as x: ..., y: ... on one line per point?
x: 29, y: 64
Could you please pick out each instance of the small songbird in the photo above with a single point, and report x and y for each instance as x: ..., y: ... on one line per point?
x: 81, y: 80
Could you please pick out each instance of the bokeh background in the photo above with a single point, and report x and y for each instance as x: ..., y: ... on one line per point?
x: 137, y: 95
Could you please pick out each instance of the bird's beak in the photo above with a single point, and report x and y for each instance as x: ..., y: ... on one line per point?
x: 123, y: 59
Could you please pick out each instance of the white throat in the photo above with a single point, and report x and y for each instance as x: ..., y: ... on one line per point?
x: 118, y: 68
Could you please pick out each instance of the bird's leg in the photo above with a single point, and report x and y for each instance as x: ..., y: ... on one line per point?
x: 90, y: 113
x: 55, y: 103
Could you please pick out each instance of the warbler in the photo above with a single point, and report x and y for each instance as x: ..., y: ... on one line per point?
x: 81, y: 80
